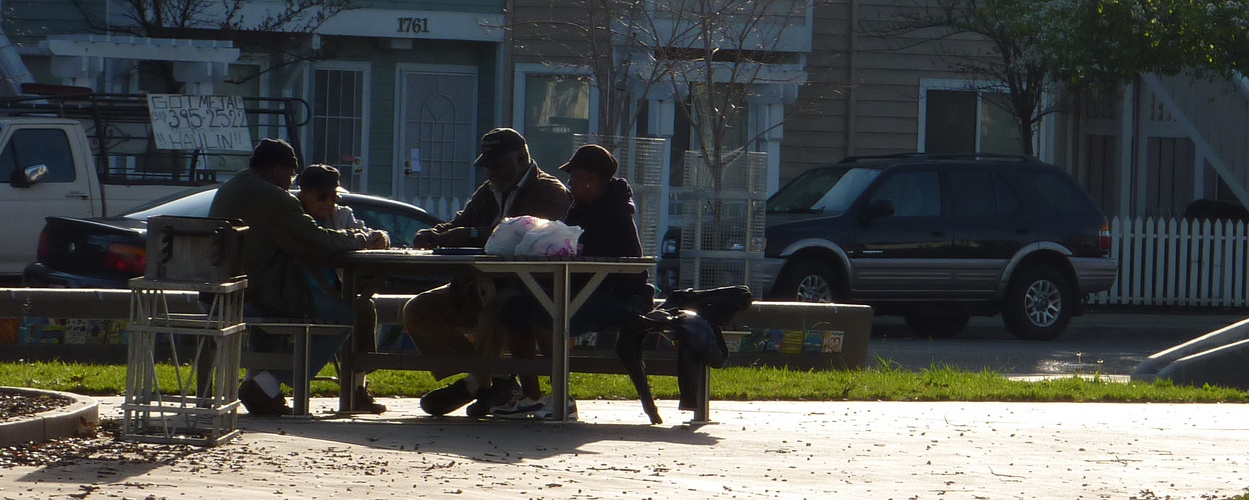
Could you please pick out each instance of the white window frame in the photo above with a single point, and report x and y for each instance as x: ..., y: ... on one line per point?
x: 977, y: 86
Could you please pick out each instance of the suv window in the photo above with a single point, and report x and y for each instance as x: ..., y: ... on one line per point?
x: 1059, y: 193
x: 914, y: 194
x: 29, y: 147
x: 980, y: 193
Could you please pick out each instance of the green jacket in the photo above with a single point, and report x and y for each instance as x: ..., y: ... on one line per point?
x: 279, y: 237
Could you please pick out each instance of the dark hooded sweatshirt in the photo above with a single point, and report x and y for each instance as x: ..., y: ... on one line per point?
x: 611, y: 232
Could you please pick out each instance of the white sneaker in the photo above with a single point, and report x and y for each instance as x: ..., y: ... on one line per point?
x: 518, y: 407
x: 529, y: 408
x: 546, y: 413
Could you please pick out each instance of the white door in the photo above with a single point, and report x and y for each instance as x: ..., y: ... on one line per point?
x: 437, y: 137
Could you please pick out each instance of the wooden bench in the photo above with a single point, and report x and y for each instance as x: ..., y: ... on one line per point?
x: 301, y: 330
x: 854, y: 322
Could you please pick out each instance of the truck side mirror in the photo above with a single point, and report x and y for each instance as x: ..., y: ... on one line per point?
x: 29, y: 176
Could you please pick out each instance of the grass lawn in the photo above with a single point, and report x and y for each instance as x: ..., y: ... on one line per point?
x: 933, y: 384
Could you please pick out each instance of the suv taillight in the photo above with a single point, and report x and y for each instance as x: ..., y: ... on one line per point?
x: 41, y: 253
x: 1103, y: 239
x: 128, y: 258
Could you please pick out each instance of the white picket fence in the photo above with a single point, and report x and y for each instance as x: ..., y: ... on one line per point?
x: 443, y: 207
x: 1177, y: 262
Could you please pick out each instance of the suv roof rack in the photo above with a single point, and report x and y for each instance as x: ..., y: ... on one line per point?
x: 893, y: 156
x: 974, y: 156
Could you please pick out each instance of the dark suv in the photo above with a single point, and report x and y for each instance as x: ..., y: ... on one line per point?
x: 939, y: 238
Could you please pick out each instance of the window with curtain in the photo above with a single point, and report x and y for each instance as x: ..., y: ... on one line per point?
x: 556, y: 107
x: 970, y: 121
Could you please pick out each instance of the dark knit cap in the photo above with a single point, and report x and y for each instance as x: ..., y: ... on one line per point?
x: 272, y: 152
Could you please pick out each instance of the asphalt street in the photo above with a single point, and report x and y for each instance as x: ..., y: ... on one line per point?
x: 1108, y: 344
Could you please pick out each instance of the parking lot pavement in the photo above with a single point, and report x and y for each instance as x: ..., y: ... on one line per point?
x: 755, y: 450
x: 1102, y: 344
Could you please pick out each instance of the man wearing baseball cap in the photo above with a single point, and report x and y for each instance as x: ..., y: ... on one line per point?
x: 514, y: 186
x: 603, y: 207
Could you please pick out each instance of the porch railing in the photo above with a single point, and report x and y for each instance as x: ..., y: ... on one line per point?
x: 1178, y: 262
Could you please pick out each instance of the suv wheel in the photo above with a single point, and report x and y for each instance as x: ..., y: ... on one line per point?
x: 937, y: 326
x: 1038, y: 304
x: 810, y: 280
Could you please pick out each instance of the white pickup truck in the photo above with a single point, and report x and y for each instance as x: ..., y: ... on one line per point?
x: 92, y: 156
x: 47, y: 169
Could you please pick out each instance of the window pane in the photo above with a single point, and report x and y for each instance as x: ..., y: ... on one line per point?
x: 973, y: 193
x: 44, y: 147
x: 728, y: 106
x: 950, y: 126
x: 999, y: 129
x: 914, y: 194
x: 338, y: 122
x: 1059, y: 192
x: 556, y: 107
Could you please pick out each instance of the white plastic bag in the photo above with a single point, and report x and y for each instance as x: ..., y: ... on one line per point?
x: 510, y: 232
x: 555, y: 239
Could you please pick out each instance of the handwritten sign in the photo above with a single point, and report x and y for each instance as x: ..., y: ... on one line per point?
x: 199, y: 122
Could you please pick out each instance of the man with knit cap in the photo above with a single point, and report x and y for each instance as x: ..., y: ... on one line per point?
x: 514, y: 186
x: 279, y: 239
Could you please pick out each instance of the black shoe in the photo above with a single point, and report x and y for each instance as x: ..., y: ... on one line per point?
x: 439, y: 402
x: 364, y: 402
x: 260, y: 404
x: 499, y: 393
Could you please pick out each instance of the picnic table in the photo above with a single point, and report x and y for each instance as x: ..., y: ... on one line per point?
x: 365, y: 272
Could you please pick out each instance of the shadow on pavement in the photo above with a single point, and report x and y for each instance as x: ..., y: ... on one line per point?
x: 498, y: 441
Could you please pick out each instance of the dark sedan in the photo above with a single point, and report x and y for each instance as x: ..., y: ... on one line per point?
x: 105, y: 252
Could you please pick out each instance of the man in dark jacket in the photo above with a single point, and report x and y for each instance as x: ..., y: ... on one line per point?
x: 515, y: 186
x: 280, y: 236
x: 603, y: 208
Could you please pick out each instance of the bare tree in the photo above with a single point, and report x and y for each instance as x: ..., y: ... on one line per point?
x: 280, y: 28
x: 711, y: 55
x: 714, y: 60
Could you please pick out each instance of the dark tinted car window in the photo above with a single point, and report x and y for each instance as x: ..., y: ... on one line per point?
x: 980, y: 193
x: 914, y: 194
x: 804, y: 191
x: 402, y: 226
x: 1059, y: 192
x: 29, y: 147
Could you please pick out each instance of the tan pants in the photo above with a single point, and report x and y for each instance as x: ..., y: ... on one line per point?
x: 440, y: 324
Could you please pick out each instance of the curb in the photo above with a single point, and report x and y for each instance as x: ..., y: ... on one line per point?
x: 67, y: 421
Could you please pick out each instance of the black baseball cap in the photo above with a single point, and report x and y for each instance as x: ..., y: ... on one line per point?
x: 592, y: 157
x: 497, y: 143
x: 319, y: 177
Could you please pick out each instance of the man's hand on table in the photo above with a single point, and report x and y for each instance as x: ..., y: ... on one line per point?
x: 452, y: 237
x: 377, y: 240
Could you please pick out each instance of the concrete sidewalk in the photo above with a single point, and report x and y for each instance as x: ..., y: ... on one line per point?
x: 820, y: 450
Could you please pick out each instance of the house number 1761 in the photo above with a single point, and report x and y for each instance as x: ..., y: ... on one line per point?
x: 414, y: 25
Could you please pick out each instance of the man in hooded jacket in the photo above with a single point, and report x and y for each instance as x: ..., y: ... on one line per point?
x: 603, y: 208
